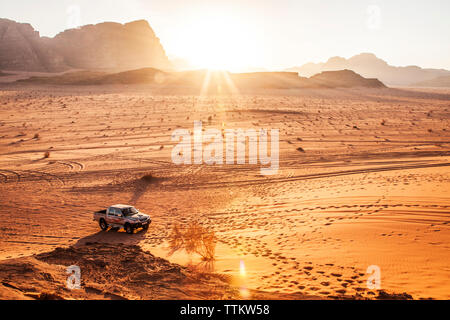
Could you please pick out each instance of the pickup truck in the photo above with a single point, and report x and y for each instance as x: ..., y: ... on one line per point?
x: 122, y: 216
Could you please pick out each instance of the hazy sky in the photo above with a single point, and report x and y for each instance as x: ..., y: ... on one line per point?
x: 265, y: 33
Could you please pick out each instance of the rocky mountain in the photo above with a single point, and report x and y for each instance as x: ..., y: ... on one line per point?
x: 21, y: 48
x: 369, y: 66
x: 108, y: 46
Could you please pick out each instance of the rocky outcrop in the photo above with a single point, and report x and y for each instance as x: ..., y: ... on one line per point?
x: 195, y: 79
x: 344, y: 79
x: 112, y: 46
x: 109, y: 45
x: 21, y: 48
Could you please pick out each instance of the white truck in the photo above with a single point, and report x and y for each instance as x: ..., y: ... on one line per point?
x: 122, y: 216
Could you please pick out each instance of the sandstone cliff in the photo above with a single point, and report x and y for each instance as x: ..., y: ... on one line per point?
x: 108, y: 45
x: 21, y: 48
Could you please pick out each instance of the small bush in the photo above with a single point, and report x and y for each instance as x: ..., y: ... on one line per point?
x: 194, y: 239
x: 147, y: 177
x: 47, y: 154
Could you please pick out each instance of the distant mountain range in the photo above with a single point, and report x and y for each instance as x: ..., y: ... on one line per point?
x: 436, y: 82
x: 115, y: 47
x: 107, y: 46
x: 369, y: 66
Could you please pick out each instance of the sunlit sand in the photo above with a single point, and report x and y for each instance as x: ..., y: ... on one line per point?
x: 369, y: 186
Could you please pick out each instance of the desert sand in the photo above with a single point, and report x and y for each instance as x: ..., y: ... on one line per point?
x: 364, y: 180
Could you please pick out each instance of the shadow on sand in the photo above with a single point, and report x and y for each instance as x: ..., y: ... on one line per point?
x: 113, y: 236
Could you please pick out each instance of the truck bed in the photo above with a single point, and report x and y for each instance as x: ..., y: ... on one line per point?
x: 99, y: 214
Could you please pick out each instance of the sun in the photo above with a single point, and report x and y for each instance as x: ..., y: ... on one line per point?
x: 218, y: 42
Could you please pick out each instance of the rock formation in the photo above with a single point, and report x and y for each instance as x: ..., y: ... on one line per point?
x: 109, y: 46
x: 344, y: 79
x: 21, y: 48
x: 195, y: 79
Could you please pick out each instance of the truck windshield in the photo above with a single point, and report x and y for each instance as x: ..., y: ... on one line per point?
x: 129, y: 211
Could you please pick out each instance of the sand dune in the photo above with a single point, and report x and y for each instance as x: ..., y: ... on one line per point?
x: 116, y: 272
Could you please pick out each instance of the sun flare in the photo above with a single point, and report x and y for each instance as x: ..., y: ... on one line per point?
x: 242, y: 270
x: 219, y: 42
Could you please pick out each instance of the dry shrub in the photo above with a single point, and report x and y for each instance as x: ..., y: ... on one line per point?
x: 47, y: 154
x: 176, y: 239
x: 194, y: 239
x: 147, y: 177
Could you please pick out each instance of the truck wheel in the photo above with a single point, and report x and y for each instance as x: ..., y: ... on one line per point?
x: 146, y: 226
x: 129, y: 228
x: 103, y: 224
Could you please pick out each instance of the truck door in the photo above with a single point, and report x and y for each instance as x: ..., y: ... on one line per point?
x: 111, y: 217
x: 120, y: 217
